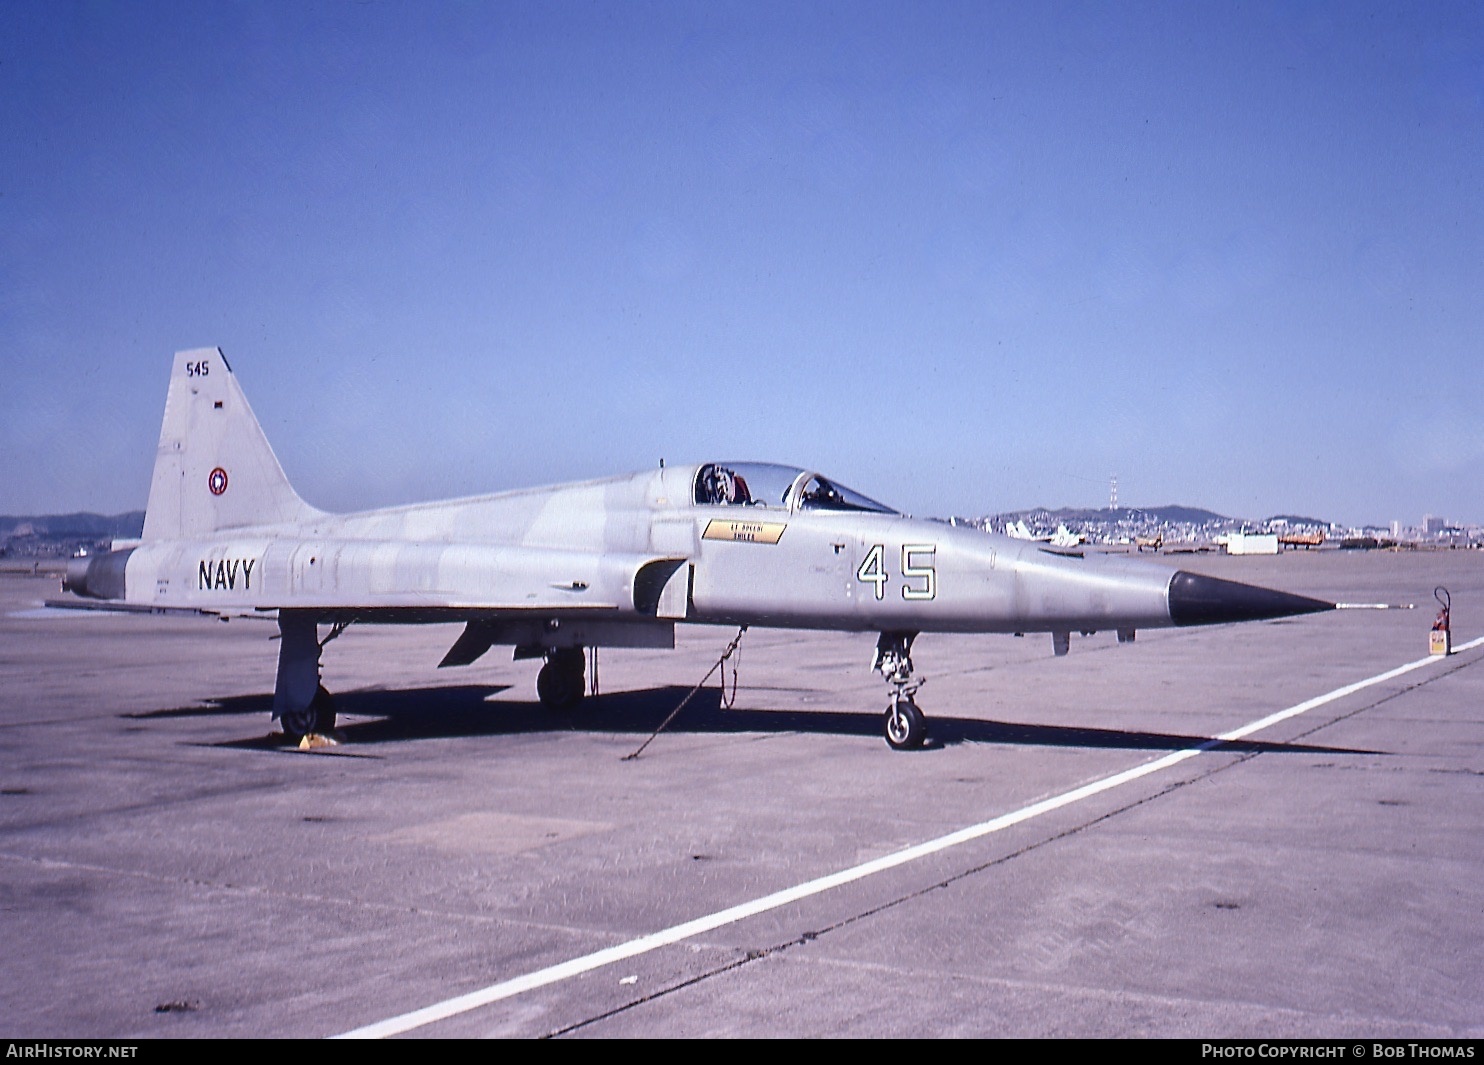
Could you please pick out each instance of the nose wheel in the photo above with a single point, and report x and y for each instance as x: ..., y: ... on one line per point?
x: 905, y: 726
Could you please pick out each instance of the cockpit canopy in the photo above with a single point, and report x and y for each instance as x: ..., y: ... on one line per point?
x: 764, y: 484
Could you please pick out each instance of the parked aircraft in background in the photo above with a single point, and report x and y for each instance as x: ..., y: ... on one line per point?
x: 1018, y: 530
x: 1063, y: 537
x: 616, y: 562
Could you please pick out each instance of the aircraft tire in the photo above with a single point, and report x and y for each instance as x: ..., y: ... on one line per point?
x: 316, y: 718
x: 904, y: 726
x: 560, y: 685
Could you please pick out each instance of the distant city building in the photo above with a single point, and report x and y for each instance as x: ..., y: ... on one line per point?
x: 1177, y: 529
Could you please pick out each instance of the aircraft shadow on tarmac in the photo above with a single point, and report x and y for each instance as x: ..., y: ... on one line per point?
x: 463, y: 711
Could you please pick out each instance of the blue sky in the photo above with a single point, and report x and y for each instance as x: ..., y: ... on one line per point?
x: 963, y: 257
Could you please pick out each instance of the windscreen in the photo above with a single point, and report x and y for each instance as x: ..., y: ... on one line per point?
x: 819, y: 493
x: 764, y: 484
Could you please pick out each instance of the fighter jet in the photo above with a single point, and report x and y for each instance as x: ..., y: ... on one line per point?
x: 616, y: 562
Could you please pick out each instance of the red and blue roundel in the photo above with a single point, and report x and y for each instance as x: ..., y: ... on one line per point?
x: 217, y: 481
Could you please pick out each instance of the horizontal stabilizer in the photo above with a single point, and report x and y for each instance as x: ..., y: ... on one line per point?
x: 104, y: 606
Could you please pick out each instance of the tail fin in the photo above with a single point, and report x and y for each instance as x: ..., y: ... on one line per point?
x: 214, y: 469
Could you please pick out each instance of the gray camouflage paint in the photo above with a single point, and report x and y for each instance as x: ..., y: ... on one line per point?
x: 225, y: 533
x: 607, y: 563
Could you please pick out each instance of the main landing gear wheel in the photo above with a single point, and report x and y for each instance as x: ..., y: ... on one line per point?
x: 562, y: 682
x: 318, y: 718
x: 906, y: 728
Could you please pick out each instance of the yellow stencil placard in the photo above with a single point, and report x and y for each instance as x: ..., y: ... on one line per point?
x: 746, y: 532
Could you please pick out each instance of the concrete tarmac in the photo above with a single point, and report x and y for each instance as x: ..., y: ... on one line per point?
x: 168, y: 868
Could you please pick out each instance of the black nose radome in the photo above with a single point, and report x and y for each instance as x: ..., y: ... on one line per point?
x: 1198, y: 600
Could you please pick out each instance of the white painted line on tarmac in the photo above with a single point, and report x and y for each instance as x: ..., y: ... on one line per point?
x: 452, y: 1007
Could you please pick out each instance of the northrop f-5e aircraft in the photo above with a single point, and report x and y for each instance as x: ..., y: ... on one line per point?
x: 607, y: 563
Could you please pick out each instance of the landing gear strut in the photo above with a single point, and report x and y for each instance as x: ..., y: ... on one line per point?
x: 562, y: 682
x: 300, y: 702
x: 905, y: 727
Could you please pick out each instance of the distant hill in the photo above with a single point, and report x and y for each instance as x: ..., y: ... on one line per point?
x: 74, y: 526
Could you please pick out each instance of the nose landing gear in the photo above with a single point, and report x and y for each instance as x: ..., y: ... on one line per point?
x: 905, y: 726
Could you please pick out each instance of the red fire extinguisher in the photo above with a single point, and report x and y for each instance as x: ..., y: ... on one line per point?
x: 1440, y: 640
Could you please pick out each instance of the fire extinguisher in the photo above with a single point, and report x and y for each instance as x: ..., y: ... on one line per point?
x: 1440, y: 640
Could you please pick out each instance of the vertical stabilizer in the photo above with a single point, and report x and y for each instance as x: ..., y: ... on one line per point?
x: 214, y: 469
